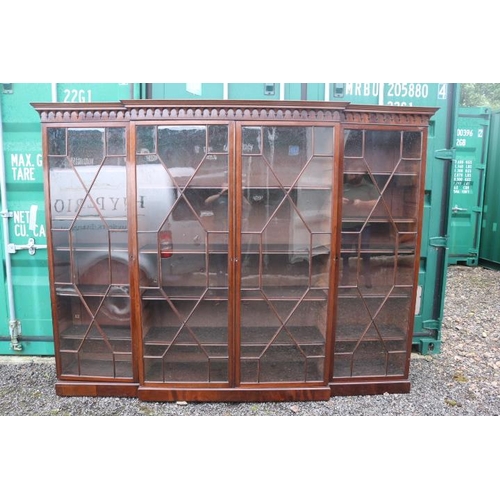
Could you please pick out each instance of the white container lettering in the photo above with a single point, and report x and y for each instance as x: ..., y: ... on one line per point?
x: 362, y: 89
x: 77, y: 95
x: 410, y: 90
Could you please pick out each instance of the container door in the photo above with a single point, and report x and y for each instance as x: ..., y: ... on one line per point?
x: 285, y: 217
x: 467, y: 191
x: 184, y: 205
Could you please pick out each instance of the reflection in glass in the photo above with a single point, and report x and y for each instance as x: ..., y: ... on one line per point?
x: 90, y: 249
x: 183, y: 236
x: 286, y: 151
x: 353, y: 143
x: 217, y: 139
x: 378, y: 244
x: 323, y: 141
x: 56, y: 141
x: 145, y: 140
x: 285, y: 252
x: 412, y: 145
x: 116, y: 141
x: 182, y: 147
x: 86, y: 146
x: 252, y: 140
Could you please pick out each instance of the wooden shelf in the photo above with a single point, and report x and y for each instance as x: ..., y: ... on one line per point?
x: 68, y: 290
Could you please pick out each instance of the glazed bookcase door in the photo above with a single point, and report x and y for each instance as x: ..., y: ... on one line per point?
x: 285, y: 220
x: 193, y: 318
x: 89, y: 238
x: 183, y: 217
x: 379, y: 240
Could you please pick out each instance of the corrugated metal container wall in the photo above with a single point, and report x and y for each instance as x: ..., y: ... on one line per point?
x: 489, y: 249
x: 25, y: 313
x: 434, y: 251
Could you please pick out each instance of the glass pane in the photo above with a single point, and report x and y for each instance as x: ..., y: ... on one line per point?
x: 56, y: 141
x: 86, y: 146
x: 412, y: 145
x: 145, y: 144
x: 217, y: 139
x: 252, y: 140
x: 323, y: 141
x: 353, y: 143
x: 116, y: 144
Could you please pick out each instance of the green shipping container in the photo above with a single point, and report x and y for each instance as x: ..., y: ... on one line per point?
x: 27, y: 316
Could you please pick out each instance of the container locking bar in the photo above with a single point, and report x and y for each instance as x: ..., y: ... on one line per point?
x: 15, y: 334
x: 30, y: 246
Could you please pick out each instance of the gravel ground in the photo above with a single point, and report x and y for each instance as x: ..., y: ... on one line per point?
x: 463, y: 380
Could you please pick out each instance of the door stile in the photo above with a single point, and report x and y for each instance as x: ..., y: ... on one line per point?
x: 135, y: 296
x: 235, y: 182
x: 336, y: 216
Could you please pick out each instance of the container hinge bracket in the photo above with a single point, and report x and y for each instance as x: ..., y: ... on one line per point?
x: 438, y: 241
x: 15, y: 333
x: 445, y: 154
x: 30, y: 246
x: 431, y: 324
x: 6, y: 214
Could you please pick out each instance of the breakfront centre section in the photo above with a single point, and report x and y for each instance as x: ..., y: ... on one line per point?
x: 233, y: 251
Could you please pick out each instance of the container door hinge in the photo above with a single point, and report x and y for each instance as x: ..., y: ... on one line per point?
x: 445, y: 154
x: 438, y: 241
x: 30, y: 246
x: 15, y: 334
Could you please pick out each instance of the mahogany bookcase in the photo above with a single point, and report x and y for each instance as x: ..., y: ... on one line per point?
x: 233, y: 250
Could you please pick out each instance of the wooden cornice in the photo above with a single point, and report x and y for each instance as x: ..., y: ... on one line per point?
x: 294, y: 111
